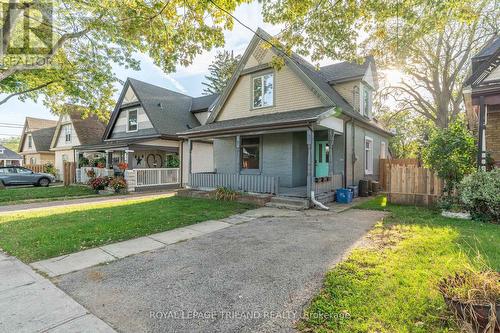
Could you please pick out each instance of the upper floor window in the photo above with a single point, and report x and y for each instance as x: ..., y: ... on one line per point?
x: 30, y: 141
x: 263, y: 90
x: 355, y: 97
x: 132, y: 121
x: 367, y: 103
x: 67, y: 133
x: 383, y: 149
x: 368, y: 155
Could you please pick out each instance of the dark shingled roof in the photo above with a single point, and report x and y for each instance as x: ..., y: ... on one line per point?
x: 43, y: 137
x: 203, y: 103
x: 9, y: 154
x: 88, y: 130
x: 489, y: 48
x: 262, y: 120
x: 345, y: 70
x: 168, y: 111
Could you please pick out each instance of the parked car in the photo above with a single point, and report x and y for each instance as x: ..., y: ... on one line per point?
x: 13, y: 175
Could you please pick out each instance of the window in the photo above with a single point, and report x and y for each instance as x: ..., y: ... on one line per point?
x: 382, y: 150
x: 24, y: 171
x: 368, y: 155
x: 30, y: 141
x: 64, y: 157
x: 67, y: 133
x: 132, y: 121
x: 263, y: 94
x: 355, y: 97
x: 366, y: 101
x: 32, y: 160
x: 250, y: 153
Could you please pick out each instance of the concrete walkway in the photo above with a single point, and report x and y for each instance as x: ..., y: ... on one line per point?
x: 31, y: 303
x: 10, y: 209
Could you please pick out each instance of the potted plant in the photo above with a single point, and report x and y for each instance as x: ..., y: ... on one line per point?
x: 474, y: 299
x: 99, y: 184
x: 118, y: 184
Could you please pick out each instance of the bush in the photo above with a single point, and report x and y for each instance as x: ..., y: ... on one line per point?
x: 50, y: 168
x: 225, y: 194
x: 83, y: 162
x: 172, y: 161
x: 480, y: 195
x: 99, y: 183
x: 451, y: 152
x: 118, y: 183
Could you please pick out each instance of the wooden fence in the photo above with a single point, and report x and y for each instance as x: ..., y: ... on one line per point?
x: 411, y: 184
x: 35, y: 167
x: 386, y: 164
x: 69, y: 173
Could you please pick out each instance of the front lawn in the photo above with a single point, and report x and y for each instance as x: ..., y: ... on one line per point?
x: 12, y: 195
x: 33, y: 236
x: 390, y: 285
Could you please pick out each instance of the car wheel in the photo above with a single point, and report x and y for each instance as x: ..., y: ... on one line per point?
x: 44, y: 182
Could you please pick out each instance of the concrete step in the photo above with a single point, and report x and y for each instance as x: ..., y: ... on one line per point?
x: 288, y: 203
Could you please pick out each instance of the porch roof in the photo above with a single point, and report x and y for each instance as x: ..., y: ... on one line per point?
x: 131, y: 144
x: 267, y: 120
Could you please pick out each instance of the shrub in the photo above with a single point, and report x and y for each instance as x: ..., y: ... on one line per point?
x: 225, y: 194
x: 91, y: 173
x: 451, y: 152
x: 172, y: 161
x: 480, y: 195
x: 99, y: 183
x: 83, y: 162
x: 49, y: 168
x: 118, y: 183
x: 100, y: 162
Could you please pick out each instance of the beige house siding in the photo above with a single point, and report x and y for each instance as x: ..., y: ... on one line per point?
x: 40, y: 158
x: 261, y: 55
x: 142, y: 120
x: 346, y: 90
x: 129, y: 96
x: 291, y: 93
x: 61, y: 137
x: 59, y: 154
x: 25, y: 144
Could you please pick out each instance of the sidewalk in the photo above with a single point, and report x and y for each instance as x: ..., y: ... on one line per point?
x: 31, y: 303
x: 75, y: 202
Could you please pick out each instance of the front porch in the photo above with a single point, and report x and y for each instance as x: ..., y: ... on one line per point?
x: 297, y: 163
x: 142, y: 166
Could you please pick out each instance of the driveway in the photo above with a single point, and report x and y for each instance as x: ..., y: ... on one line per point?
x: 253, y: 277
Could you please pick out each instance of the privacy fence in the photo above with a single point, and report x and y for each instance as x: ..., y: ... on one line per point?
x: 407, y: 182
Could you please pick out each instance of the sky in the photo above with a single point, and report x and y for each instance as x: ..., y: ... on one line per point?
x: 187, y: 80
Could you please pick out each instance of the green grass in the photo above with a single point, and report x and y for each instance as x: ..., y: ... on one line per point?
x: 12, y: 195
x: 390, y: 286
x: 33, y: 236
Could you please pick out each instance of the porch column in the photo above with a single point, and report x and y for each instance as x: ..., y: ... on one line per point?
x: 310, y: 161
x: 238, y: 154
x: 129, y: 158
x: 190, y: 149
x: 107, y: 159
x: 481, y: 155
x: 331, y: 138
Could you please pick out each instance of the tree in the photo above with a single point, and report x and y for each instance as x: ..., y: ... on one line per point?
x: 11, y: 143
x: 221, y: 70
x: 430, y: 41
x: 451, y: 152
x: 83, y: 39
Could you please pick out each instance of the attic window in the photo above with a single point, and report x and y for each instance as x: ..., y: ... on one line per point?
x: 132, y: 121
x: 263, y: 91
x: 30, y: 141
x: 67, y: 133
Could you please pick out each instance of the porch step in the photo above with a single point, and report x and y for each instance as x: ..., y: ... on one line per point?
x: 288, y: 203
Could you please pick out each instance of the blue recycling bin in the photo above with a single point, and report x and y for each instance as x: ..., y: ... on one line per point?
x: 343, y: 195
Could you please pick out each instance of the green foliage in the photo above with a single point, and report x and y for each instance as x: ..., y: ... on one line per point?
x: 50, y: 168
x: 117, y: 184
x: 391, y: 286
x: 172, y: 161
x: 480, y: 195
x: 451, y: 152
x: 32, y: 236
x: 225, y: 194
x: 11, y: 143
x: 83, y: 162
x: 221, y: 70
x: 23, y: 195
x: 92, y: 36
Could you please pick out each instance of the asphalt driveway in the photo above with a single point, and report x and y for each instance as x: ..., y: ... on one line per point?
x: 252, y: 277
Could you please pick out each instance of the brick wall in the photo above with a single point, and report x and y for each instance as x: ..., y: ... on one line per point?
x: 493, y: 135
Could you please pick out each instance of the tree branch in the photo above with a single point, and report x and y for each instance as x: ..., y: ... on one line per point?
x: 3, y: 101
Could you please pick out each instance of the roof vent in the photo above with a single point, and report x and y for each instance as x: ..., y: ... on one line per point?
x: 188, y: 126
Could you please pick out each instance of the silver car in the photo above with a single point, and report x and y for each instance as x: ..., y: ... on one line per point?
x: 15, y: 175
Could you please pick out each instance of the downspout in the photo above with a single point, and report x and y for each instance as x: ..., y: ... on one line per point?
x: 353, y: 158
x: 310, y: 160
x: 345, y: 150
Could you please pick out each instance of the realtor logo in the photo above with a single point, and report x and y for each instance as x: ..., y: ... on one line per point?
x: 26, y: 30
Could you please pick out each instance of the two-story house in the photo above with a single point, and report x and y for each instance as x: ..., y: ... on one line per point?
x: 35, y: 141
x: 73, y: 129
x: 142, y: 133
x: 294, y: 131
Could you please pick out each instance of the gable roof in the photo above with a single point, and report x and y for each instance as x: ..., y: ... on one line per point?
x: 42, y: 131
x: 345, y: 71
x: 488, y: 59
x: 88, y: 130
x: 314, y: 78
x: 9, y: 154
x: 170, y: 112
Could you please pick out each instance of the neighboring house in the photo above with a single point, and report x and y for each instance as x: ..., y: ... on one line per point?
x: 74, y: 130
x: 9, y: 158
x: 482, y: 101
x: 295, y: 130
x: 35, y: 141
x: 142, y: 132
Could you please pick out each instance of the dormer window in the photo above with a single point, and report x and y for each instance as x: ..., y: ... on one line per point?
x: 132, y: 121
x: 67, y: 133
x: 263, y: 90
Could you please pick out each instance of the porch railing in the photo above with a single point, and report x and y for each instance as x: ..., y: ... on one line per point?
x: 334, y: 182
x: 156, y: 176
x: 246, y: 183
x: 82, y: 177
